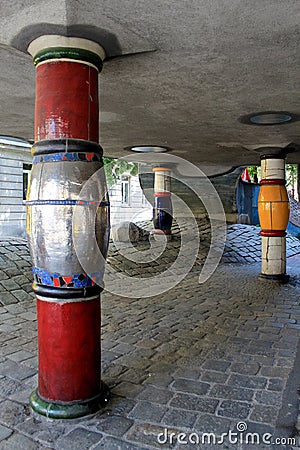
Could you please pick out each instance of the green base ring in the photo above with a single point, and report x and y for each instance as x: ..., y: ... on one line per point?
x: 69, y: 53
x: 70, y: 410
x: 281, y: 278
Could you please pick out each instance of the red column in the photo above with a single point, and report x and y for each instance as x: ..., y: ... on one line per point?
x: 66, y: 101
x: 66, y: 153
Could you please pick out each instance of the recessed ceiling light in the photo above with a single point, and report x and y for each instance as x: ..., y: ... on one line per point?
x: 9, y: 141
x: 147, y: 149
x: 269, y: 118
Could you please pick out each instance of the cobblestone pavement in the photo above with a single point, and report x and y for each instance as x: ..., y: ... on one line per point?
x: 243, y: 244
x: 196, y: 359
x: 294, y: 211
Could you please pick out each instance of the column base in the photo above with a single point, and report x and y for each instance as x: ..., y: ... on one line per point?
x: 69, y: 410
x: 281, y: 278
x: 164, y: 232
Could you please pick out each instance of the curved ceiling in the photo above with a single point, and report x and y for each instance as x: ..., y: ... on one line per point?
x: 187, y: 71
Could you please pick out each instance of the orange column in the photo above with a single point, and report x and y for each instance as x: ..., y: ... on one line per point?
x: 273, y: 209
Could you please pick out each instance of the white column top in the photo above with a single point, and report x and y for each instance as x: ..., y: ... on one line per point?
x: 53, y: 40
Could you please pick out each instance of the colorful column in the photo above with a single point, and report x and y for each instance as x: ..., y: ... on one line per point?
x: 65, y: 155
x: 273, y: 209
x: 162, y: 211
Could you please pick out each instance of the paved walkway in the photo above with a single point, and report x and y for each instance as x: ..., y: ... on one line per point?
x: 243, y: 244
x: 294, y: 211
x: 197, y: 359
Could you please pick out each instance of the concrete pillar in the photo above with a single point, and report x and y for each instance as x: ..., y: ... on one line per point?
x: 65, y: 154
x: 273, y: 209
x: 162, y: 211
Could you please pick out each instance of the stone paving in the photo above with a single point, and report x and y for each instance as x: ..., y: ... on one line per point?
x: 197, y: 359
x: 294, y: 211
x: 243, y: 244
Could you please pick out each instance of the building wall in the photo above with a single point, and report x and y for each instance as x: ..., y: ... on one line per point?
x: 138, y: 207
x: 12, y: 207
x: 225, y: 186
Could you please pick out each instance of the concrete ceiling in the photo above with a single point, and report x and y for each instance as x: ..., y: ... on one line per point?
x: 180, y: 72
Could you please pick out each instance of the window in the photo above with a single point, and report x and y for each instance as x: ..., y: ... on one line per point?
x: 125, y: 190
x: 26, y: 172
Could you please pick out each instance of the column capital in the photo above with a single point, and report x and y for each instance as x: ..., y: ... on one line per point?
x: 52, y: 47
x: 281, y: 155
